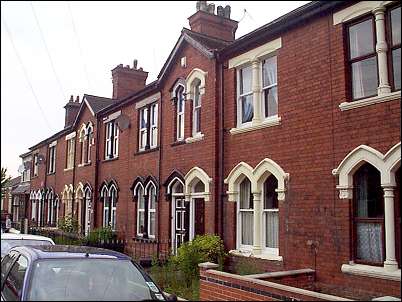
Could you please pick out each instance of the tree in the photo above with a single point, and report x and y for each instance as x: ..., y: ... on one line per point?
x: 4, y: 180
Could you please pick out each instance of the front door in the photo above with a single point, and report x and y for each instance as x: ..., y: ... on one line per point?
x: 182, y: 221
x: 199, y: 226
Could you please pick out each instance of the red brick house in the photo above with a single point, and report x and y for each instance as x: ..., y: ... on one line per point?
x: 285, y: 142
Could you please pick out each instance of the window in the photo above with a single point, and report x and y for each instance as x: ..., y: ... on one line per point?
x: 106, y: 206
x: 109, y: 198
x: 270, y: 213
x: 197, y: 108
x: 112, y: 140
x: 113, y: 202
x: 246, y: 213
x: 368, y: 210
x: 83, y: 144
x: 89, y: 137
x: 363, y: 59
x: 143, y: 128
x: 146, y: 211
x: 13, y: 285
x: 269, y: 86
x: 52, y: 160
x: 395, y: 47
x: 245, y: 97
x: 35, y: 163
x: 154, y: 125
x: 180, y: 113
x: 70, y: 153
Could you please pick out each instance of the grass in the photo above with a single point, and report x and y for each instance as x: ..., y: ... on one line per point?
x: 173, y: 282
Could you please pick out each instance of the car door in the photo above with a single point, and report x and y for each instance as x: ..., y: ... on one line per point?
x: 14, y: 282
x: 6, y: 263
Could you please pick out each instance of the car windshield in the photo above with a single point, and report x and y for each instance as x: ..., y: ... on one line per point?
x: 90, y: 279
x: 7, y: 244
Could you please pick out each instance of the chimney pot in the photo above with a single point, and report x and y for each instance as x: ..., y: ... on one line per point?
x: 135, y: 64
x: 77, y: 100
x: 227, y: 11
x: 211, y: 8
x: 219, y: 11
x: 71, y: 98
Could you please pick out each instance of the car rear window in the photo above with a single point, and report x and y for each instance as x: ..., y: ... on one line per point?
x: 89, y: 279
x: 7, y: 244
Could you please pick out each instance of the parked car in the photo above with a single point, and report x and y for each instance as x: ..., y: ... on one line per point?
x: 63, y: 272
x: 9, y: 240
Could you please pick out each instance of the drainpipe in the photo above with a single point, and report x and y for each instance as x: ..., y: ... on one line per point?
x: 44, y: 185
x: 95, y: 193
x: 75, y: 154
x: 159, y: 176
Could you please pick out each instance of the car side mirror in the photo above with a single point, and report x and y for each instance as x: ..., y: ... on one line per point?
x: 172, y: 297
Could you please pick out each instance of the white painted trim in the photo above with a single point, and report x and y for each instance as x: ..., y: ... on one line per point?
x: 112, y: 116
x: 190, y: 179
x: 249, y: 253
x: 71, y: 135
x: 169, y: 186
x: 357, y: 10
x: 90, y: 109
x: 371, y: 271
x: 149, y: 100
x: 196, y: 73
x: 256, y: 53
x: 54, y: 143
x: 269, y: 122
x: 370, y: 101
x: 195, y: 138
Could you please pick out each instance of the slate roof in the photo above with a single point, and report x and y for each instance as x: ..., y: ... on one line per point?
x: 208, y: 42
x: 13, y: 182
x: 21, y: 189
x: 97, y: 103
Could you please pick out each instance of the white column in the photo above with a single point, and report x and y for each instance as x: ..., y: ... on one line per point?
x: 257, y: 223
x: 390, y: 263
x: 256, y: 87
x: 381, y: 48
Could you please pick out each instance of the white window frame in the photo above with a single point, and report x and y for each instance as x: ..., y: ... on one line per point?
x: 113, y: 205
x: 143, y: 129
x: 112, y: 140
x: 36, y: 164
x: 140, y: 211
x: 52, y: 160
x: 197, y: 108
x: 241, y: 246
x: 82, y: 139
x: 105, y: 196
x: 180, y: 114
x: 70, y: 153
x: 268, y: 250
x: 264, y: 88
x: 240, y: 95
x: 89, y: 136
x: 151, y: 188
x: 154, y: 126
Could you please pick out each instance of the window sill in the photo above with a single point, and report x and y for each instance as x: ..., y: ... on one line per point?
x: 264, y: 256
x: 145, y: 240
x: 371, y: 271
x: 275, y: 121
x: 84, y: 164
x: 370, y: 101
x: 178, y: 143
x: 110, y: 159
x: 197, y: 137
x: 146, y: 151
x: 68, y: 169
x: 51, y: 173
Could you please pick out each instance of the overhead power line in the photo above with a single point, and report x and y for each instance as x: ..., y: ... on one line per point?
x: 79, y: 46
x: 25, y: 72
x: 48, y: 52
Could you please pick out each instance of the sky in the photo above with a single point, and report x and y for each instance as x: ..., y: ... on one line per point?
x: 51, y: 50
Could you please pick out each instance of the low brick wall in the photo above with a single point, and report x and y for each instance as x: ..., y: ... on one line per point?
x: 220, y: 286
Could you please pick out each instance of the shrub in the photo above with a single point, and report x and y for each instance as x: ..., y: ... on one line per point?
x: 103, y: 234
x: 201, y: 249
x: 68, y: 224
x: 245, y: 266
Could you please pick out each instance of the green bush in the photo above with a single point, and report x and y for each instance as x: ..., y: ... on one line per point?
x: 68, y: 224
x: 100, y: 235
x: 201, y: 249
x: 245, y: 266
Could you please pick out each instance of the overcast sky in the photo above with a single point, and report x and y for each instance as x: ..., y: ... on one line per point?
x: 52, y: 50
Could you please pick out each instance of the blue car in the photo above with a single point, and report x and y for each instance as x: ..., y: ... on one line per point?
x: 75, y: 273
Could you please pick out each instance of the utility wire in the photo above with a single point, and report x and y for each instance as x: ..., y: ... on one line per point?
x: 47, y: 51
x: 79, y: 46
x: 25, y: 72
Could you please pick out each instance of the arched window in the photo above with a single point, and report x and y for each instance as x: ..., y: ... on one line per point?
x: 106, y: 206
x: 50, y: 200
x: 88, y: 141
x: 270, y: 213
x: 33, y: 206
x: 140, y: 210
x: 180, y: 113
x: 55, y: 211
x: 113, y: 203
x: 151, y: 194
x: 368, y: 211
x: 87, y: 212
x: 146, y: 210
x: 246, y: 214
x: 82, y: 139
x: 197, y: 108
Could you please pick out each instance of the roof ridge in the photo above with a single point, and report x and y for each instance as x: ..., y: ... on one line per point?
x: 206, y: 36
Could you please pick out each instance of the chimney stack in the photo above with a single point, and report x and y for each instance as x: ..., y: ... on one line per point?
x: 219, y: 26
x: 71, y: 110
x: 127, y: 80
